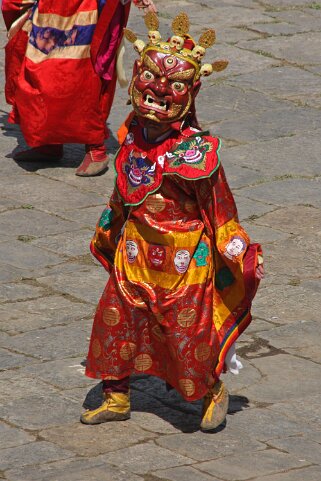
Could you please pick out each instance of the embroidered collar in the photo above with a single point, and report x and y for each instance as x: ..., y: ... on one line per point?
x: 140, y: 165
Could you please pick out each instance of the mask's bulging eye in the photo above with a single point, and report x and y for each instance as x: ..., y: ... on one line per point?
x: 147, y: 75
x: 170, y: 62
x: 178, y: 86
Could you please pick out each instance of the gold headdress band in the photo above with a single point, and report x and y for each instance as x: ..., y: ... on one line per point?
x: 181, y: 44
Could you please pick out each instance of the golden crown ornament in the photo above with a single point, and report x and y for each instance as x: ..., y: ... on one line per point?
x: 181, y: 44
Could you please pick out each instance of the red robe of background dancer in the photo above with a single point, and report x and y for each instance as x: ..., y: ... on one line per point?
x: 56, y: 94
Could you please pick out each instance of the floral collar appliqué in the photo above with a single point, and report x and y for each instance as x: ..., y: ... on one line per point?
x: 194, y: 157
x: 192, y: 152
x: 140, y: 173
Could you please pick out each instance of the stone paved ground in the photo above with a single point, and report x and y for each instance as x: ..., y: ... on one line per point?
x: 267, y: 109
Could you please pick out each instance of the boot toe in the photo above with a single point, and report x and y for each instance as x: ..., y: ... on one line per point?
x: 215, y: 408
x: 116, y: 407
x: 91, y: 167
x: 105, y: 416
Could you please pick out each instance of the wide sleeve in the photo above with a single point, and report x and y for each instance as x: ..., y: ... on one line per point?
x: 231, y: 242
x: 235, y: 261
x: 108, y: 230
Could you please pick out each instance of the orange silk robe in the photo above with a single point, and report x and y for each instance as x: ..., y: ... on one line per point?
x: 182, y: 271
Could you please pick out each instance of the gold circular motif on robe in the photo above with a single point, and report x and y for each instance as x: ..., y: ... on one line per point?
x: 202, y: 352
x: 127, y: 351
x: 111, y: 316
x: 155, y: 203
x: 186, y: 317
x: 158, y: 333
x: 96, y: 348
x: 143, y: 362
x: 187, y: 386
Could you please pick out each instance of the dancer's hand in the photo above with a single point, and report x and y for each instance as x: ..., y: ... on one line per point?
x: 146, y: 5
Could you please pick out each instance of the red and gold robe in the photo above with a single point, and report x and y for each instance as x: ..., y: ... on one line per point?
x: 182, y: 269
x: 60, y: 67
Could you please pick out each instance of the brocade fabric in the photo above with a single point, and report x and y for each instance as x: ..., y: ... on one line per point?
x: 182, y: 271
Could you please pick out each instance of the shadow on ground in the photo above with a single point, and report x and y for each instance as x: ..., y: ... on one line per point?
x: 149, y: 395
x: 73, y: 153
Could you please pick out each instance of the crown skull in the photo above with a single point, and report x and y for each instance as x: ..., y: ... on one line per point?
x: 180, y: 44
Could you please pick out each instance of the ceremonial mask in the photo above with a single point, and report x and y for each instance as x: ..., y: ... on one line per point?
x: 166, y: 77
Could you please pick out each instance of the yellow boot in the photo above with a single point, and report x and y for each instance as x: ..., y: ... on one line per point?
x: 116, y: 407
x: 215, y: 407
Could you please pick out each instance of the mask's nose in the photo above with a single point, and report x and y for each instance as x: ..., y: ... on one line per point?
x: 161, y: 86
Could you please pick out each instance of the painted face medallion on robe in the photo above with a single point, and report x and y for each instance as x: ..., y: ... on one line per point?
x: 181, y: 260
x: 156, y: 256
x: 131, y: 250
x: 235, y: 247
x: 201, y: 254
x: 162, y: 87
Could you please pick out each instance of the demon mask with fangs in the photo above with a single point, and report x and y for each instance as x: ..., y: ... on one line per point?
x: 166, y: 77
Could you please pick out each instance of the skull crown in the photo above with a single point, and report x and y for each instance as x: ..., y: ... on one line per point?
x: 180, y: 44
